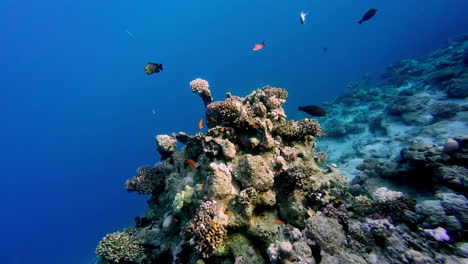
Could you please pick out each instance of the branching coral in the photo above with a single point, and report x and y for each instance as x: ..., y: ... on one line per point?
x: 202, y: 88
x: 290, y: 130
x: 120, y: 247
x: 225, y: 112
x: 203, y: 232
x: 149, y: 180
x: 273, y: 97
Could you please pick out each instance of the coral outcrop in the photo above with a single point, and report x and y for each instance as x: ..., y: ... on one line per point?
x: 254, y: 188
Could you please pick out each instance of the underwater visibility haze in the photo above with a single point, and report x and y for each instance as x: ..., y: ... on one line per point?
x: 87, y: 85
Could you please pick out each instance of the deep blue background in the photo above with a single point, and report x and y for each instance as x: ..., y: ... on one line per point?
x: 76, y: 107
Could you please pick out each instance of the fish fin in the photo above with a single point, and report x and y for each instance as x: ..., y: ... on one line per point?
x: 160, y: 67
x: 360, y: 22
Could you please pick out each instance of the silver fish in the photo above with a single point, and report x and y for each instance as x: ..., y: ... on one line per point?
x: 303, y: 17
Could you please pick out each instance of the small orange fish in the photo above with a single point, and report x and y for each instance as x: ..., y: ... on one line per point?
x: 201, y: 185
x: 200, y: 124
x: 192, y: 163
x: 255, y: 126
x: 262, y: 193
x: 221, y: 129
x: 252, y: 145
x: 176, y: 220
x: 259, y: 46
x: 279, y: 222
x: 227, y: 212
x: 212, y: 119
x: 336, y: 201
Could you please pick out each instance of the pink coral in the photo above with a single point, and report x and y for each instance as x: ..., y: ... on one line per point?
x: 202, y: 88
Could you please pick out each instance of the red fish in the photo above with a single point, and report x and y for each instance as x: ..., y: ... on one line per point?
x: 192, y: 163
x: 259, y: 46
x: 279, y: 222
x: 212, y: 119
x: 200, y: 124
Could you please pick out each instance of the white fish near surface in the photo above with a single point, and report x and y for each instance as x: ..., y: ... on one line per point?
x: 303, y: 17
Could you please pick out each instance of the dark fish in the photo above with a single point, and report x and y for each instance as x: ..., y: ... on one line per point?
x: 368, y: 15
x: 313, y: 110
x: 151, y: 68
x: 325, y: 49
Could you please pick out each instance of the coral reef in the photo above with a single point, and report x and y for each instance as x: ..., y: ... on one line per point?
x: 256, y: 188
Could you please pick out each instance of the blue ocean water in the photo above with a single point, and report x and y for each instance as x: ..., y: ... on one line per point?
x: 77, y: 109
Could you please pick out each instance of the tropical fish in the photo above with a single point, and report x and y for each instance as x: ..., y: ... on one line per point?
x: 212, y: 119
x: 151, y: 68
x: 227, y: 212
x: 279, y: 222
x: 303, y: 17
x: 192, y: 163
x: 368, y: 15
x: 259, y: 46
x: 313, y: 110
x: 200, y: 124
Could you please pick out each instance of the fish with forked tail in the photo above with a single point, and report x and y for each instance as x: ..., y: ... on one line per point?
x: 303, y: 17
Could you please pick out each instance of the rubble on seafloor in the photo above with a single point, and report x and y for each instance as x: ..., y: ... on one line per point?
x: 255, y: 189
